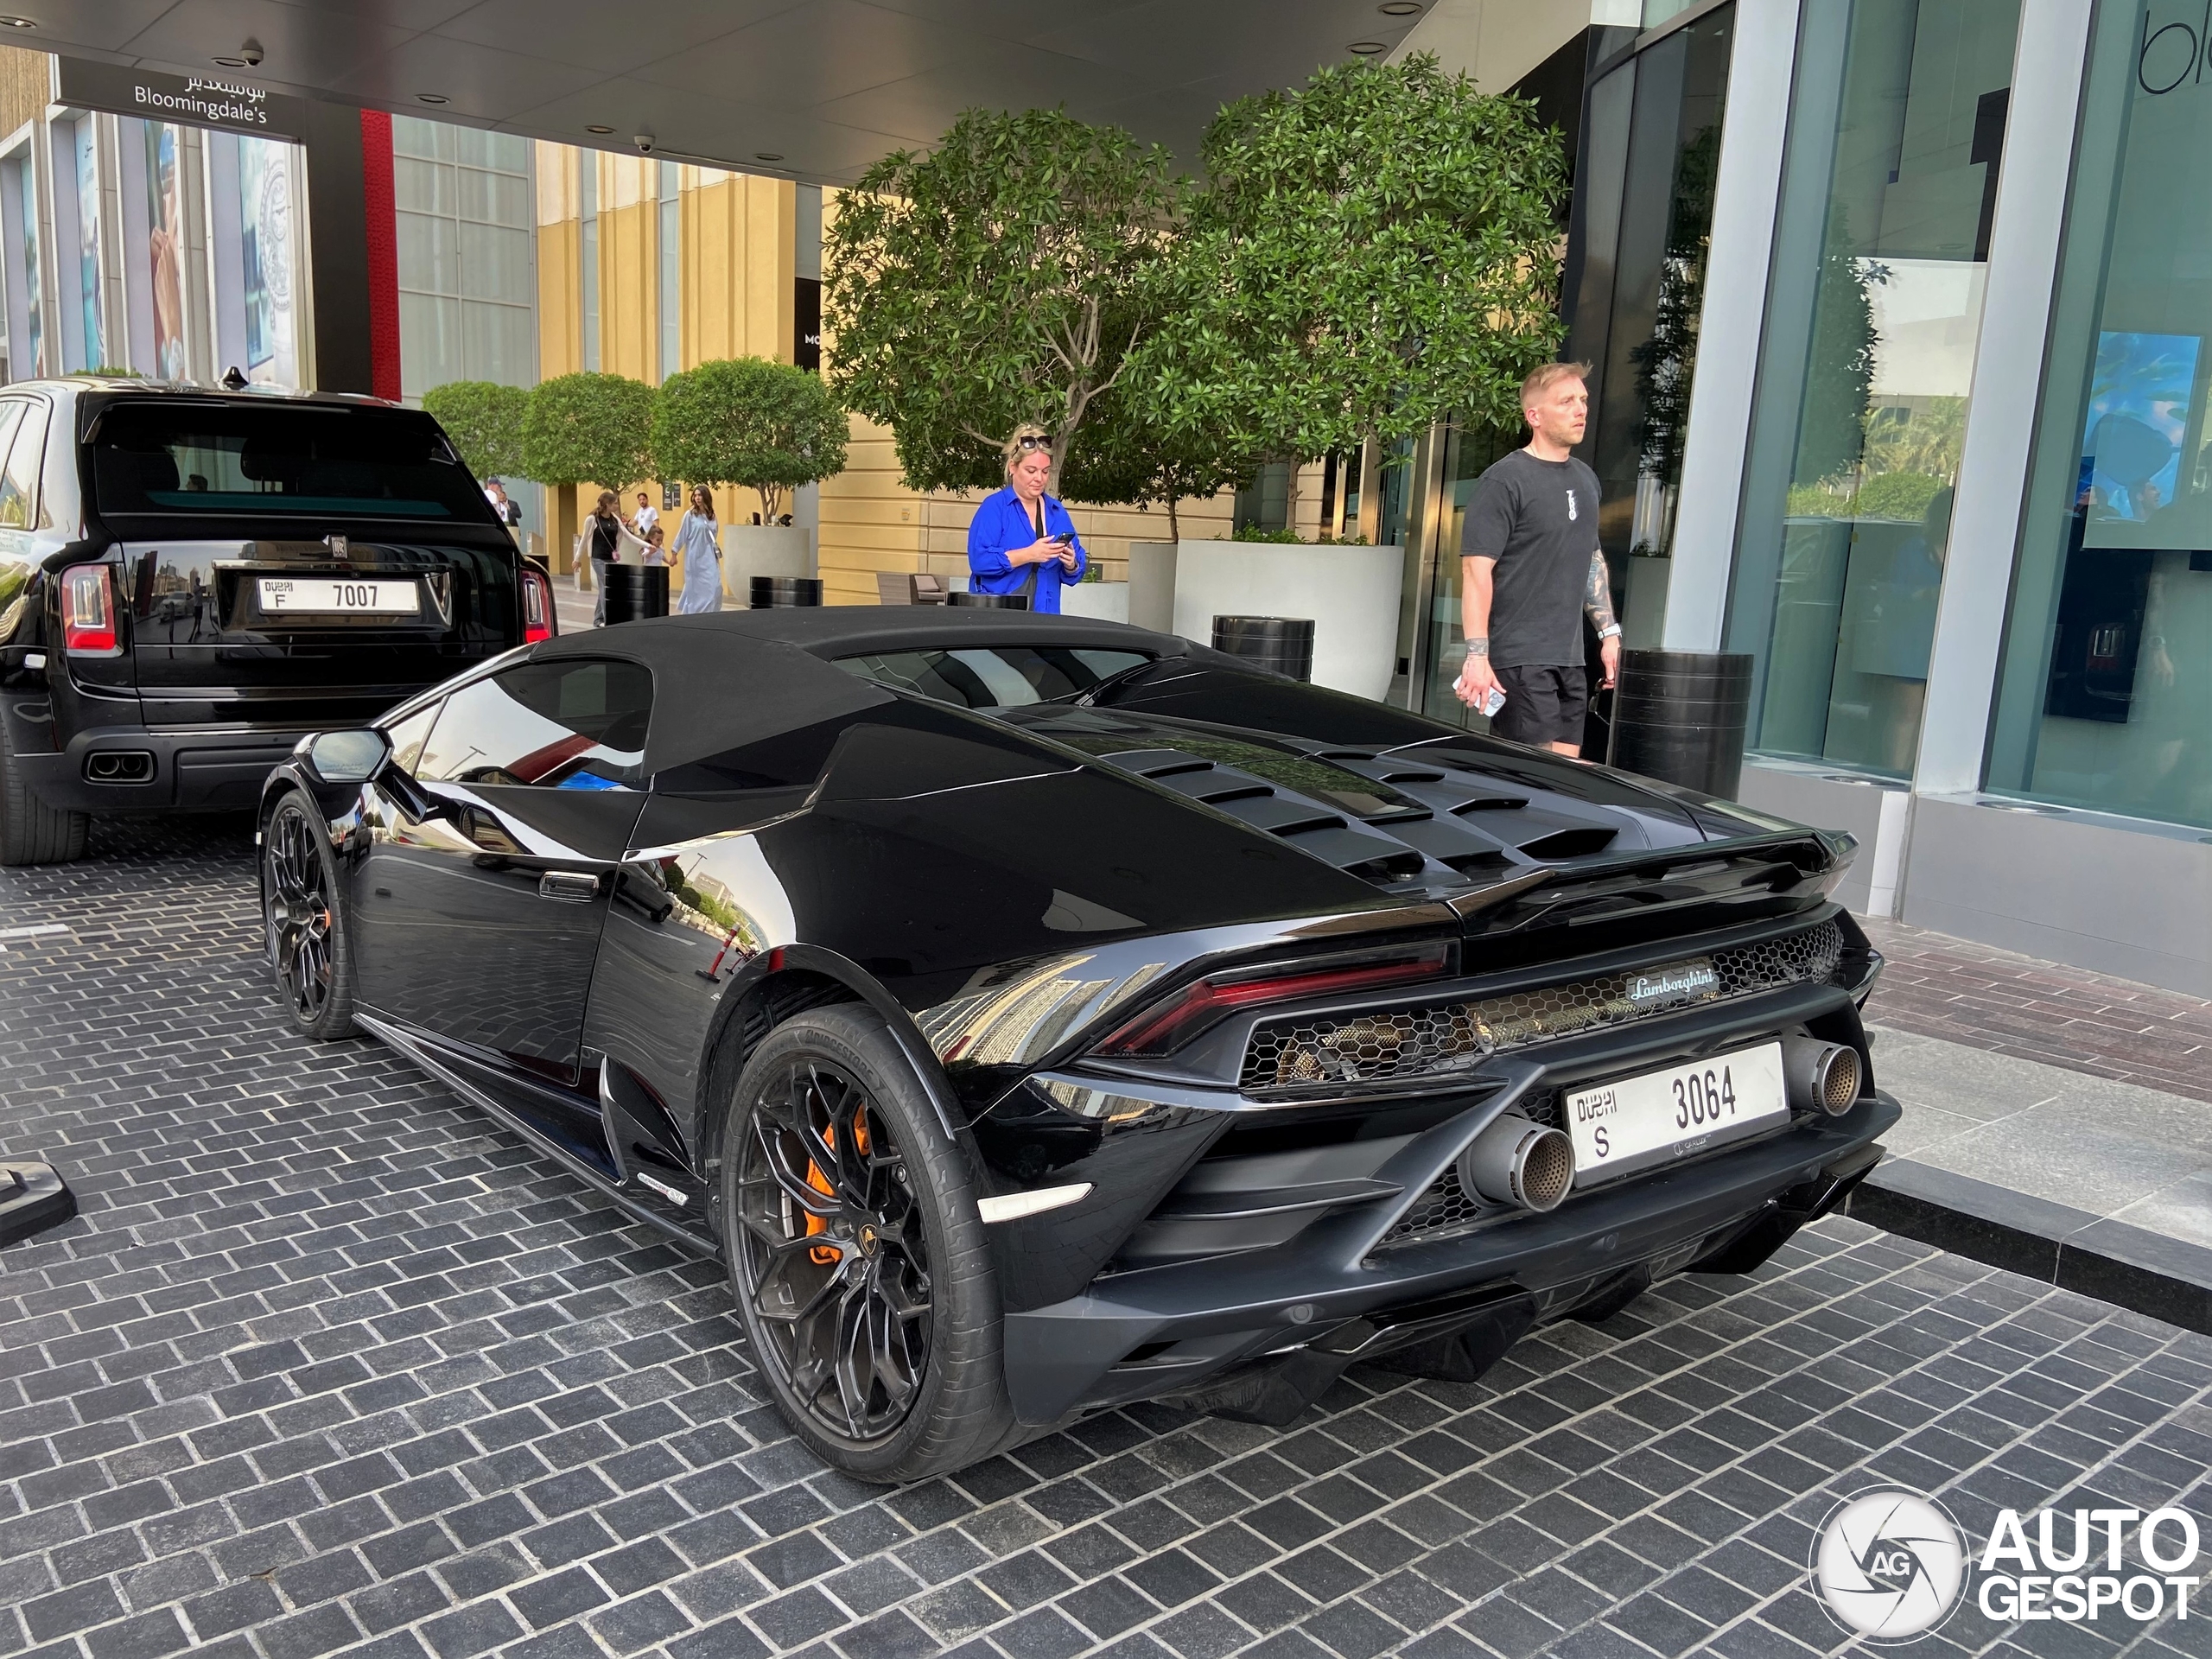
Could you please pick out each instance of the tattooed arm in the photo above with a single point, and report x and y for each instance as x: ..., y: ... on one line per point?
x: 1477, y: 679
x: 1598, y: 594
x: 1597, y: 600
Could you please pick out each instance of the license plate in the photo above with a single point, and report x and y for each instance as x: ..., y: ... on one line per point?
x: 1634, y: 1122
x: 287, y: 596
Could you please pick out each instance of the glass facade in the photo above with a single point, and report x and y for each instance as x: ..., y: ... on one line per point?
x: 1652, y: 138
x: 587, y: 211
x: 467, y: 287
x: 84, y: 153
x: 669, y: 254
x: 1873, y: 316
x: 2104, y: 698
x: 25, y: 188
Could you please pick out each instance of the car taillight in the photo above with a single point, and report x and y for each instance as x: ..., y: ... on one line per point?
x: 1202, y: 1002
x: 88, y: 609
x: 538, y: 615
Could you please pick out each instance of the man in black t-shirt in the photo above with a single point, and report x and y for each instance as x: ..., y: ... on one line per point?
x: 1531, y: 567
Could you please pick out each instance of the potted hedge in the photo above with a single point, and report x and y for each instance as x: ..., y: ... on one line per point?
x: 769, y: 428
x: 585, y: 429
x: 1372, y: 252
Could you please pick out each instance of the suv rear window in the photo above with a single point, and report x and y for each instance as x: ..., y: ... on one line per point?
x: 177, y: 456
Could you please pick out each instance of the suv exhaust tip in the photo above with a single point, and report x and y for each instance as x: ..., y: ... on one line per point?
x: 1821, y: 1075
x: 119, y: 766
x: 1516, y: 1162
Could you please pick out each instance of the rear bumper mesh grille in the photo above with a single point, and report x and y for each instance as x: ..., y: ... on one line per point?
x: 1288, y: 1058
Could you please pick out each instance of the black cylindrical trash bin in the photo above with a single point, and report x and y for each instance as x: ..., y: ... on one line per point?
x: 635, y: 591
x: 1284, y: 644
x: 784, y: 592
x: 991, y: 601
x: 1679, y: 717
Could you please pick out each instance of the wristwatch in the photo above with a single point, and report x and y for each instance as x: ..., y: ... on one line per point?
x: 1611, y: 630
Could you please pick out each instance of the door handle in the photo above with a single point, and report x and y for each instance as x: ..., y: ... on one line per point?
x: 570, y: 886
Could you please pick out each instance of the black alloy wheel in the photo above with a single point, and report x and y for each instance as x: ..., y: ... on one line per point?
x: 305, y: 932
x: 836, y: 1266
x: 857, y: 1256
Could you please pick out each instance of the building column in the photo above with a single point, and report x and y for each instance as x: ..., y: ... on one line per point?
x: 1754, y: 128
x: 2023, y: 248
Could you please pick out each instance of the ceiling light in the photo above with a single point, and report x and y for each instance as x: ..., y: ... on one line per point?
x: 767, y: 155
x: 1368, y: 48
x: 595, y: 128
x: 430, y: 97
x: 17, y: 23
x: 1399, y: 7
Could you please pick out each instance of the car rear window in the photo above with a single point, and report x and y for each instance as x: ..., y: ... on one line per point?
x: 172, y: 457
x: 994, y: 677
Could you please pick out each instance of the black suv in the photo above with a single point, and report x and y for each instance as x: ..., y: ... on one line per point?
x: 191, y: 578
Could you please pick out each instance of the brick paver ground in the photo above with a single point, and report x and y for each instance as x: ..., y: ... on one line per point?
x: 1988, y: 998
x: 332, y: 1364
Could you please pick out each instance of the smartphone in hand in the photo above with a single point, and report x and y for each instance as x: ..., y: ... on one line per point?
x: 1493, y: 703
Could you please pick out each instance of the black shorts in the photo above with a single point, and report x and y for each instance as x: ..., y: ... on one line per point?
x: 1542, y: 704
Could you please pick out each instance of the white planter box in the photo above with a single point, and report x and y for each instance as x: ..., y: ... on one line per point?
x: 1102, y: 601
x: 750, y: 550
x: 1351, y: 594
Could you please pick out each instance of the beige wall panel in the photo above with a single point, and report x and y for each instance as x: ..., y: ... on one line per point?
x: 560, y: 304
x: 771, y: 236
x: 26, y: 86
x: 625, y: 307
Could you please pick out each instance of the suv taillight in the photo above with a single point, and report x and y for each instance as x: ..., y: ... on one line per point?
x: 538, y: 615
x: 88, y: 610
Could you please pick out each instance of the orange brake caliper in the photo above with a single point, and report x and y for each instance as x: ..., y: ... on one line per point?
x: 828, y: 1255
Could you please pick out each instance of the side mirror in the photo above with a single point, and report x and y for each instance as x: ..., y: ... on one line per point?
x: 346, y: 757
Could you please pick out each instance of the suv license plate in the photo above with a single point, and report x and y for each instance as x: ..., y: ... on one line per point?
x: 1634, y: 1123
x: 288, y: 597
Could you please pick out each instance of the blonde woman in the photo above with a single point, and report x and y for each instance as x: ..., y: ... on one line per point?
x: 1022, y: 540
x: 699, y: 547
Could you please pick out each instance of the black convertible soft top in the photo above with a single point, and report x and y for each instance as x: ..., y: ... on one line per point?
x: 728, y: 679
x: 834, y: 630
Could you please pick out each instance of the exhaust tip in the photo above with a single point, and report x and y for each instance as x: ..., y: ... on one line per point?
x: 1825, y: 1076
x: 1518, y: 1162
x: 1546, y: 1170
x: 119, y: 766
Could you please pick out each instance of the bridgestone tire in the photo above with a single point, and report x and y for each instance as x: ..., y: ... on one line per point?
x: 957, y: 1412
x: 31, y: 832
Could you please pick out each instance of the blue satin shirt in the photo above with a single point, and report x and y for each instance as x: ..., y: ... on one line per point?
x: 1001, y: 523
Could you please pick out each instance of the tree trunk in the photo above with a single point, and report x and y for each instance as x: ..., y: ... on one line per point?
x: 1290, y: 499
x: 1173, y: 533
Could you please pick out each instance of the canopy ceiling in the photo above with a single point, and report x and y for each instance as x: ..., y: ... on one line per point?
x: 826, y: 87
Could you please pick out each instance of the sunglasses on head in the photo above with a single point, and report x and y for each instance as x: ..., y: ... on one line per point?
x: 1032, y: 443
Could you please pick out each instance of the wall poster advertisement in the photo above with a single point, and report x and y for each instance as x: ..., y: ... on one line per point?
x: 90, y: 309
x: 165, y: 214
x: 265, y: 239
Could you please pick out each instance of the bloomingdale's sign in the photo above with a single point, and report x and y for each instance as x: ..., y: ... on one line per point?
x: 219, y: 101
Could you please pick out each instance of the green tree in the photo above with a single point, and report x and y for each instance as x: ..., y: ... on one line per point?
x: 767, y: 426
x: 1003, y: 277
x: 1840, y: 369
x: 1372, y: 250
x: 484, y: 421
x: 1131, y: 457
x: 589, y: 428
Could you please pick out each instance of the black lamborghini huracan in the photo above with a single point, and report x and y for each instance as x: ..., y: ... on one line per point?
x: 1037, y: 1016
